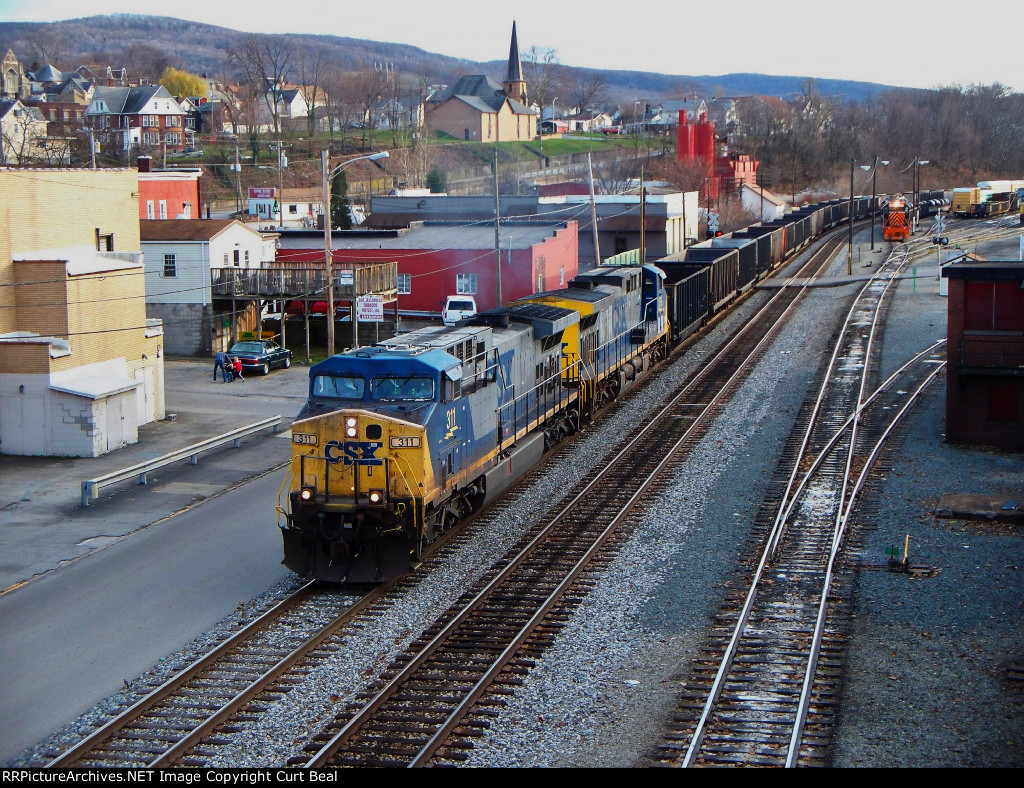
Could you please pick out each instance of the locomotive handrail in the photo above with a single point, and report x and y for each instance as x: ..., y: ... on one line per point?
x: 91, y: 487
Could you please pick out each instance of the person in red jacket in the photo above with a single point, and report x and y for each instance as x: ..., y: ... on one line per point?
x: 237, y: 363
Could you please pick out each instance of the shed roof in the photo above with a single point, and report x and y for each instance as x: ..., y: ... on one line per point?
x: 168, y: 230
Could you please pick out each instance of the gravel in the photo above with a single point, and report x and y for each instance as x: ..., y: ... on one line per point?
x: 924, y: 655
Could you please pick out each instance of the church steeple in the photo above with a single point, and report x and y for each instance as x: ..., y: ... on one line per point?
x: 514, y: 84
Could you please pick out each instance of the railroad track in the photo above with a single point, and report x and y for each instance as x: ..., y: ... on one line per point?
x: 440, y: 693
x: 183, y: 720
x: 752, y: 695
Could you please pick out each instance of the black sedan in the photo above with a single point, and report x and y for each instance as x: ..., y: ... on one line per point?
x: 261, y: 355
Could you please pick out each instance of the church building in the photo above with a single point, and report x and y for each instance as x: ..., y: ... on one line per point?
x: 478, y: 109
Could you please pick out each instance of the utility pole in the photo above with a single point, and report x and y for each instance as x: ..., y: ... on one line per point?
x: 92, y: 148
x: 238, y: 182
x: 328, y: 254
x: 497, y: 230
x: 849, y: 259
x: 593, y: 214
x: 643, y: 219
x: 282, y: 162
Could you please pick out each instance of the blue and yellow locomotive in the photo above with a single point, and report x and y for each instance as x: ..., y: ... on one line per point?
x: 399, y: 441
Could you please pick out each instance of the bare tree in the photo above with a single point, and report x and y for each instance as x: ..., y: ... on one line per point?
x: 542, y: 72
x: 584, y: 88
x: 47, y: 46
x: 264, y: 63
x: 366, y: 87
x: 312, y: 66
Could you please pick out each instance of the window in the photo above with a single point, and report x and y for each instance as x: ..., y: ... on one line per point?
x: 170, y: 269
x: 104, y: 243
x: 173, y: 138
x: 163, y: 209
x: 150, y: 138
x: 404, y: 284
x: 67, y: 115
x: 402, y: 388
x: 150, y: 210
x: 186, y: 210
x: 465, y: 284
x: 236, y: 259
x: 225, y: 259
x: 294, y: 209
x: 540, y: 281
x: 341, y: 387
x: 247, y: 257
x: 561, y: 275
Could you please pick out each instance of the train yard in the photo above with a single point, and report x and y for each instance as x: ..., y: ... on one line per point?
x: 363, y: 682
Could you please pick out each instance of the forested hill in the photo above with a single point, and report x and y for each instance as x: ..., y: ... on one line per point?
x: 146, y: 43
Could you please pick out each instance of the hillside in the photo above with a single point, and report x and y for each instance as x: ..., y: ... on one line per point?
x: 201, y: 48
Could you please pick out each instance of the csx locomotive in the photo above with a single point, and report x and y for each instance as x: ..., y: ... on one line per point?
x: 399, y: 441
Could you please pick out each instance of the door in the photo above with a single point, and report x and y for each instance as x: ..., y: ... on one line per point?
x: 23, y: 425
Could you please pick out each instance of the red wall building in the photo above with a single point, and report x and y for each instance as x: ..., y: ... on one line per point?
x: 985, y: 354
x: 438, y: 259
x: 169, y: 194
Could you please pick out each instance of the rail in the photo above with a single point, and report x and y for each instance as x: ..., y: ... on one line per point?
x: 91, y: 487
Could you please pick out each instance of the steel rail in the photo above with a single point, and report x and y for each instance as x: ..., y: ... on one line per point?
x: 773, y: 539
x: 819, y: 628
x: 778, y: 526
x: 335, y: 743
x: 136, y: 710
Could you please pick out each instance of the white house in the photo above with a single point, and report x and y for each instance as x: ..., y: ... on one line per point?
x: 301, y: 207
x: 762, y: 203
x: 182, y: 256
x: 22, y: 133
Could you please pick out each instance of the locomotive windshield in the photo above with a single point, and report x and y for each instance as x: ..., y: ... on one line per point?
x: 390, y: 389
x: 338, y: 386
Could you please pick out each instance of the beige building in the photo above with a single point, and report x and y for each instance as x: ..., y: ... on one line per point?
x: 81, y: 367
x: 478, y: 109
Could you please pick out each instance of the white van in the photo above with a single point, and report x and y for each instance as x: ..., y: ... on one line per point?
x: 456, y: 308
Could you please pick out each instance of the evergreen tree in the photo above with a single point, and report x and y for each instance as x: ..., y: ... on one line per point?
x: 341, y: 217
x: 437, y: 181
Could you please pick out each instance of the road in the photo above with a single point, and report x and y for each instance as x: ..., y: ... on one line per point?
x: 70, y: 638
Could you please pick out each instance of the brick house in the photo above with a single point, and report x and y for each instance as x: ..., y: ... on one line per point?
x: 985, y: 353
x: 138, y: 117
x: 81, y: 368
x: 169, y: 193
x: 476, y: 108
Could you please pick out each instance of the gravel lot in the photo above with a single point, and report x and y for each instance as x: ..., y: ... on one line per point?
x: 927, y: 658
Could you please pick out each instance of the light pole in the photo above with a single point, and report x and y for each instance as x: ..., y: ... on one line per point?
x: 917, y: 190
x: 849, y: 259
x: 328, y: 175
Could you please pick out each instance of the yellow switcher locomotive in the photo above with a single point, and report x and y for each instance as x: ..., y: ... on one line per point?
x: 399, y: 441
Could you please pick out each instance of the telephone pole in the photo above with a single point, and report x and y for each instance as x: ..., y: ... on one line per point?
x: 282, y: 161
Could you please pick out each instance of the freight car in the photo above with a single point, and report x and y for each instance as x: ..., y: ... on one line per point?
x: 399, y: 441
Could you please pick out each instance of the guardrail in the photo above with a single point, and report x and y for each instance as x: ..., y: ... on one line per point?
x: 91, y: 487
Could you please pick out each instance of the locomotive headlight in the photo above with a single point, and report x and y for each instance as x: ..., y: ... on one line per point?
x: 376, y: 496
x: 307, y: 494
x: 350, y: 427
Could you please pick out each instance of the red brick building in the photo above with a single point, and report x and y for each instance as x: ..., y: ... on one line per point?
x: 169, y: 194
x: 438, y: 259
x: 985, y: 353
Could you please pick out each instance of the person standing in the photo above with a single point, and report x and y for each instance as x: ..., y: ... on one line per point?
x: 236, y: 367
x: 221, y: 362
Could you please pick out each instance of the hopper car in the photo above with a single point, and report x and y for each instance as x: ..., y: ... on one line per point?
x: 399, y: 441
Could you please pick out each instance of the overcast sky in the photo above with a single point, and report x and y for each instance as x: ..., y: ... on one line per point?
x: 909, y: 44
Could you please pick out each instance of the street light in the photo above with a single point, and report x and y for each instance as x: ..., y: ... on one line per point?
x: 917, y: 190
x: 328, y: 175
x: 874, y: 173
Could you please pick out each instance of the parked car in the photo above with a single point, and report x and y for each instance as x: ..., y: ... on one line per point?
x: 456, y: 308
x: 261, y: 355
x: 611, y: 130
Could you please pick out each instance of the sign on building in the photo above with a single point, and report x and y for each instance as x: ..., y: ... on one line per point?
x: 262, y: 192
x: 370, y: 309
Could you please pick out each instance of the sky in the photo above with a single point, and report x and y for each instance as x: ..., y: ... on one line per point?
x: 912, y: 45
